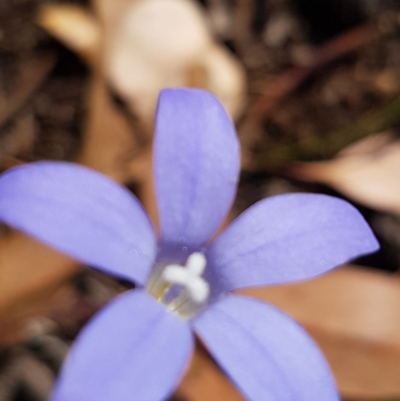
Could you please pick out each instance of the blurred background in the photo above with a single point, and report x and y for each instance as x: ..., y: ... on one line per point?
x: 314, y: 89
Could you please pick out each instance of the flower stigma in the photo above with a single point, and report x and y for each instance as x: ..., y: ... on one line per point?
x: 181, y: 288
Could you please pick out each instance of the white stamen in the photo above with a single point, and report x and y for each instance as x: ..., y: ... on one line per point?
x: 189, y: 277
x: 175, y: 274
x: 199, y: 290
x: 196, y: 263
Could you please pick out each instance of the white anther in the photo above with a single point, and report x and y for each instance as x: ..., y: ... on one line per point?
x: 196, y: 263
x: 199, y: 290
x: 176, y: 274
x: 189, y: 277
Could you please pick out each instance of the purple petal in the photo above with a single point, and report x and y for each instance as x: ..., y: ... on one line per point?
x: 82, y: 213
x: 196, y: 166
x: 265, y: 352
x: 287, y: 238
x: 134, y: 349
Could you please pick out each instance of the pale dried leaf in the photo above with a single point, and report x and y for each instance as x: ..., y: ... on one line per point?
x: 146, y: 45
x: 74, y: 26
x: 110, y: 12
x: 367, y: 172
x: 226, y: 78
x: 156, y: 44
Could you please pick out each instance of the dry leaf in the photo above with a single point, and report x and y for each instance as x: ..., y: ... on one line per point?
x: 147, y: 45
x: 205, y: 381
x: 367, y: 172
x: 29, y: 274
x: 73, y: 26
x: 118, y: 147
x: 26, y: 266
x: 354, y: 315
x: 155, y: 46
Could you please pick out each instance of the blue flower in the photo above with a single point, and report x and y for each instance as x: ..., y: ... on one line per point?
x: 139, y: 345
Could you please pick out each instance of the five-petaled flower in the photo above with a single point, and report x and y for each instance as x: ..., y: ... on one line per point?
x: 139, y: 345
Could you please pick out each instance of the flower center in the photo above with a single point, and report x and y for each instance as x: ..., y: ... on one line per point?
x: 181, y: 288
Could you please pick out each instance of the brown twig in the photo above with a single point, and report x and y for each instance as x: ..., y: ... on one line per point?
x: 272, y: 93
x: 328, y: 145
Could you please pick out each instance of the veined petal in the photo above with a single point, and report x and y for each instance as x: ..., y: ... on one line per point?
x: 82, y: 213
x: 196, y: 166
x: 266, y: 353
x: 287, y: 238
x: 134, y: 349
